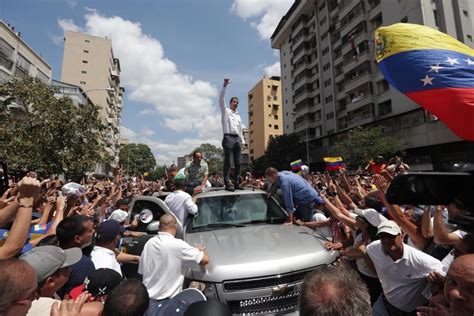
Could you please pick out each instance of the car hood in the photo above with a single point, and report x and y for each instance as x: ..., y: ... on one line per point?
x: 258, y: 250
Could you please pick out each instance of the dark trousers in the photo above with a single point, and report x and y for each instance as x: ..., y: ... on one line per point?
x: 232, y: 144
x: 305, y: 212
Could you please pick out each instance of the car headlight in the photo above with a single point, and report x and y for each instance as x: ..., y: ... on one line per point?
x: 209, y: 289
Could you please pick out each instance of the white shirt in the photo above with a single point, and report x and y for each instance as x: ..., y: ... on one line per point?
x: 325, y: 231
x: 361, y: 263
x: 42, y: 306
x: 230, y: 120
x: 105, y: 258
x: 163, y: 264
x: 181, y: 204
x: 403, y: 280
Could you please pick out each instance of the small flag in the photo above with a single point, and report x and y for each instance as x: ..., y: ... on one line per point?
x: 431, y: 68
x: 296, y: 166
x: 334, y: 163
x: 146, y: 174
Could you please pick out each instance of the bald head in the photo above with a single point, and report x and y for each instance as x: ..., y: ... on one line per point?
x: 18, y: 278
x: 168, y: 224
x: 459, y: 290
x: 271, y: 174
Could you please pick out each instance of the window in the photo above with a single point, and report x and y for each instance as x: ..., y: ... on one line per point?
x: 87, y: 41
x: 83, y: 72
x: 327, y: 83
x: 328, y: 99
x: 269, y: 125
x: 86, y: 51
x: 435, y: 13
x: 466, y: 14
x: 275, y: 98
x: 82, y: 82
x: 385, y: 107
x: 325, y: 51
x: 323, y: 20
x: 324, y: 36
x: 84, y: 61
x: 326, y: 66
x: 404, y: 20
x: 275, y: 117
x: 321, y: 8
x: 330, y: 116
x: 269, y: 105
x: 276, y: 126
x: 469, y: 37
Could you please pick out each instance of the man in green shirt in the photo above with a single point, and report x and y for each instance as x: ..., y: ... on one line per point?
x: 197, y: 172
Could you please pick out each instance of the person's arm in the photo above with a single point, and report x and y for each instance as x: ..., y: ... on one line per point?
x: 426, y: 225
x: 338, y: 214
x: 126, y: 257
x: 441, y: 234
x: 8, y: 212
x: 28, y: 189
x: 206, y: 176
x: 288, y: 199
x: 190, y: 206
x: 344, y: 197
x: 314, y: 224
x: 363, y: 250
x: 205, y: 257
x: 222, y: 95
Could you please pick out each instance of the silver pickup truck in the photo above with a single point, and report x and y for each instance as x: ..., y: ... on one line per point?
x: 257, y: 264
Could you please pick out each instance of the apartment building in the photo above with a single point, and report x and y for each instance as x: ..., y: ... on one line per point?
x: 89, y: 63
x: 18, y: 59
x: 331, y: 82
x: 265, y: 114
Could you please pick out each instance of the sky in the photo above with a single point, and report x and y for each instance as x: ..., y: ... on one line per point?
x: 173, y: 54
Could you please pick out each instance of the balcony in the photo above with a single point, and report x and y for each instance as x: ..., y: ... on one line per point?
x: 373, y: 11
x: 341, y: 94
x: 384, y: 96
x: 361, y: 16
x: 360, y: 37
x: 357, y: 81
x: 339, y: 77
x: 356, y: 61
x: 359, y: 101
x: 301, y: 97
x: 6, y: 62
x: 360, y: 120
x: 345, y: 6
x: 21, y: 73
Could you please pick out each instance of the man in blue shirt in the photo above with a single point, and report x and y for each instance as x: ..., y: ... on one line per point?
x: 299, y: 195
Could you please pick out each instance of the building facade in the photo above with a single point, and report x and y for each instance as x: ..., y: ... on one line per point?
x: 89, y: 63
x: 18, y: 59
x: 331, y: 82
x: 265, y: 114
x: 245, y: 154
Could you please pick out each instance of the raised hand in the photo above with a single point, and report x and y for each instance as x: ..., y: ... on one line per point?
x: 226, y: 82
x: 28, y: 187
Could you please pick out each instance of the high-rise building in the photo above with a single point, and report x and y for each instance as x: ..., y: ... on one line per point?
x: 89, y: 62
x: 331, y: 82
x: 265, y: 114
x: 18, y: 59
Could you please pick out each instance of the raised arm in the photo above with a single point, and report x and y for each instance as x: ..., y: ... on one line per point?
x: 222, y: 95
x: 441, y: 235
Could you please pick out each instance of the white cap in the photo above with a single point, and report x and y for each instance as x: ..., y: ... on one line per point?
x: 389, y: 227
x: 372, y: 216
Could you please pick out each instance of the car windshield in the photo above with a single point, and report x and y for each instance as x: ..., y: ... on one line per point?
x: 236, y: 210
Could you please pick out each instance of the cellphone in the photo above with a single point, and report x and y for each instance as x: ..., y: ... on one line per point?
x: 59, y: 193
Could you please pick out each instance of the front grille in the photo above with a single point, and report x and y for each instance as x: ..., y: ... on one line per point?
x: 249, y: 284
x: 265, y: 305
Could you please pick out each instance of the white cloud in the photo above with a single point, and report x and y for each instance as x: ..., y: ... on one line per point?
x: 273, y: 70
x: 182, y: 103
x: 72, y: 3
x: 263, y: 15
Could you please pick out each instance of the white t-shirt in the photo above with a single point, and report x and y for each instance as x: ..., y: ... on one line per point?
x: 41, y: 306
x: 163, y: 264
x: 325, y: 231
x: 361, y: 263
x: 105, y: 258
x: 403, y: 280
x: 181, y: 204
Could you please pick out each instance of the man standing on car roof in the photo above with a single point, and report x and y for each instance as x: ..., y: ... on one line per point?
x: 233, y: 140
x: 296, y: 191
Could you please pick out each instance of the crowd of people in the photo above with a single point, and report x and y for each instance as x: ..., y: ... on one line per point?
x: 59, y: 254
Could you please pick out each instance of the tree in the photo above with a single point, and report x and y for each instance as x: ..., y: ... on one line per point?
x: 158, y: 173
x: 281, y: 151
x: 363, y: 144
x: 136, y: 159
x: 213, y: 155
x: 49, y: 134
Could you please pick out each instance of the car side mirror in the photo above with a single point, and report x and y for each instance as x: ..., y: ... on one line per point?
x: 153, y: 227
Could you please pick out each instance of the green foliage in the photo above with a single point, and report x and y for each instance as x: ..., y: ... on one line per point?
x: 363, y: 144
x: 49, y: 134
x: 158, y: 173
x: 136, y: 159
x: 281, y: 151
x: 213, y: 155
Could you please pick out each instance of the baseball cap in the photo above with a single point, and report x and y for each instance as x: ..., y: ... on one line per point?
x: 370, y: 215
x: 108, y: 230
x: 180, y: 177
x: 98, y: 283
x: 73, y: 189
x: 389, y: 227
x: 118, y: 215
x: 46, y: 260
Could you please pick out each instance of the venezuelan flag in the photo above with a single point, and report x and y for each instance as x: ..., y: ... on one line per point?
x: 296, y: 166
x: 431, y: 68
x: 334, y: 163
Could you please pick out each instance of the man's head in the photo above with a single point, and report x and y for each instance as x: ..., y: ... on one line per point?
x: 391, y: 239
x: 168, y: 224
x: 464, y: 247
x: 234, y: 103
x: 122, y: 204
x: 197, y: 157
x: 51, y: 264
x: 75, y: 231
x: 271, y: 174
x: 172, y: 170
x: 379, y: 159
x: 334, y: 290
x: 128, y: 298
x: 459, y: 287
x: 19, y: 287
x: 108, y: 234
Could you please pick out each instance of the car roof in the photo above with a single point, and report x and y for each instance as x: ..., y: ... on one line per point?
x: 222, y: 192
